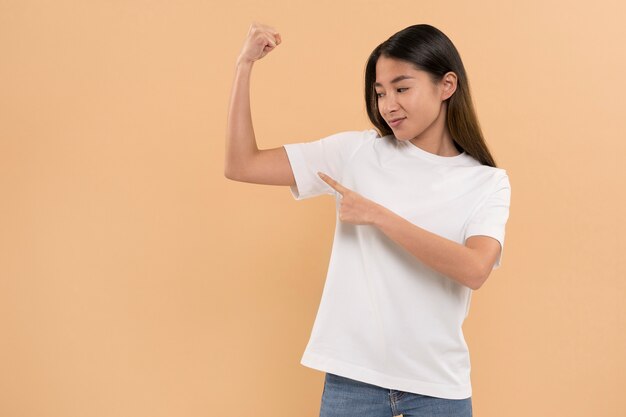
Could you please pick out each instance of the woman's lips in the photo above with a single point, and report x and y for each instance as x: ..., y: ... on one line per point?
x: 396, y: 123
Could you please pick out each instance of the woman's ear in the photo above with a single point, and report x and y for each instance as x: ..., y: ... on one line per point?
x: 449, y: 83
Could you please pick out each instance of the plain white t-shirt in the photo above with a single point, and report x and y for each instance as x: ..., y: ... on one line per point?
x: 384, y: 317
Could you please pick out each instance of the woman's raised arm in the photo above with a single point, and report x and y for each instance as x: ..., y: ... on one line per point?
x: 244, y: 160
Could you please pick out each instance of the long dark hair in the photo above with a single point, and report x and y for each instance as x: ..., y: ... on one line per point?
x: 430, y: 50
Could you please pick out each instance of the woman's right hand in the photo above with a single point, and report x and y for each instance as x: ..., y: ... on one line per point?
x: 261, y: 40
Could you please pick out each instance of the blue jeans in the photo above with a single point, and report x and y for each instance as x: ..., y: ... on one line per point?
x: 344, y: 397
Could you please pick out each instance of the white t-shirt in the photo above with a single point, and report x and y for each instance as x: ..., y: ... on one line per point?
x: 384, y: 317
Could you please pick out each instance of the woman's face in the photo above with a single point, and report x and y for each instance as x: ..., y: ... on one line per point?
x: 408, y: 100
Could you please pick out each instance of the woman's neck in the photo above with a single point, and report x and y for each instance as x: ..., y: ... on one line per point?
x: 437, y: 139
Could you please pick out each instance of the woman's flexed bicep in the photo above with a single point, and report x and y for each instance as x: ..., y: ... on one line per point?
x: 267, y: 166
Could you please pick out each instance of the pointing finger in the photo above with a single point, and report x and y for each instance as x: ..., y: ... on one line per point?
x: 334, y: 184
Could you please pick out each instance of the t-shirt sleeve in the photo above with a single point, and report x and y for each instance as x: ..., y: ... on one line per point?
x: 328, y: 155
x: 491, y: 216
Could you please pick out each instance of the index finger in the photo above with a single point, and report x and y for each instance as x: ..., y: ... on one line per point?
x: 334, y: 184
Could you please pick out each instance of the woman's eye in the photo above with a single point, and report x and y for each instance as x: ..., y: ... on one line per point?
x: 379, y: 95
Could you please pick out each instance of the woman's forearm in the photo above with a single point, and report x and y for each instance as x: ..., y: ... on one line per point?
x: 445, y: 256
x: 240, y: 140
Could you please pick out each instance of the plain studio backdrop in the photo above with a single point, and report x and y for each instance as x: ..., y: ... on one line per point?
x: 135, y: 280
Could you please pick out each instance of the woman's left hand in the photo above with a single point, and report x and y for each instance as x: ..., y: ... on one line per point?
x: 354, y: 208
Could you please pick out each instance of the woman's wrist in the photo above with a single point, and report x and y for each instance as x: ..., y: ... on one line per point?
x: 243, y: 62
x: 379, y: 214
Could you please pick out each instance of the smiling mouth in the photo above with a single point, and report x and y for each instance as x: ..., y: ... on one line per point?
x: 395, y: 122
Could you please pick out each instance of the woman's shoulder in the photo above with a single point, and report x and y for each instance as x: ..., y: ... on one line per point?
x: 491, y: 177
x: 494, y: 171
x: 355, y: 137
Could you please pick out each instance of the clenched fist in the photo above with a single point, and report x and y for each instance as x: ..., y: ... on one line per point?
x: 260, y: 41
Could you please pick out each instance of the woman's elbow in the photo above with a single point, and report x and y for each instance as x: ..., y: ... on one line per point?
x: 479, y: 279
x: 232, y: 172
x: 229, y: 174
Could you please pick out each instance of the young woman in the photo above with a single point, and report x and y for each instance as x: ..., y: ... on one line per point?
x: 422, y: 210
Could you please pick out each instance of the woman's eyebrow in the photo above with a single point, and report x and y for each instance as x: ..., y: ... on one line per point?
x: 395, y: 80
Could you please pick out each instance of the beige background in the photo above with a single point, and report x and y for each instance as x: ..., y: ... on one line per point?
x: 135, y: 280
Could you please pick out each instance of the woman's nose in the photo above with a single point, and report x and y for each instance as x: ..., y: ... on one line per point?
x: 390, y: 104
